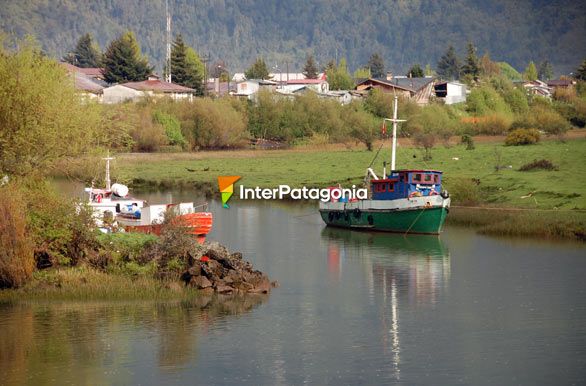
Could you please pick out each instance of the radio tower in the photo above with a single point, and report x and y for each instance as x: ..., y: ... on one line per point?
x: 168, y: 57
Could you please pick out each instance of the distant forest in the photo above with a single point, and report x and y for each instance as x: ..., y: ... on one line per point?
x: 238, y: 31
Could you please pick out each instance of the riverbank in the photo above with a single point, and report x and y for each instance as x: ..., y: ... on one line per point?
x: 487, y: 175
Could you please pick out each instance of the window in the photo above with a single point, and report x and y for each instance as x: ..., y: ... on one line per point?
x: 436, y: 178
x: 428, y: 177
x: 417, y: 177
x: 379, y: 188
x: 391, y: 186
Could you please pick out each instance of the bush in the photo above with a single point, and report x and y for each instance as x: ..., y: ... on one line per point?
x: 522, y: 137
x: 495, y: 124
x: 16, y: 248
x: 468, y: 141
x: 542, y: 117
x: 216, y: 124
x: 542, y: 164
x: 172, y: 128
x: 464, y: 191
x: 485, y: 101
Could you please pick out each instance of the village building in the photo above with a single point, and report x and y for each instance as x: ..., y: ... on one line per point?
x: 419, y: 90
x: 88, y: 86
x: 450, y: 92
x: 152, y: 87
x: 250, y: 87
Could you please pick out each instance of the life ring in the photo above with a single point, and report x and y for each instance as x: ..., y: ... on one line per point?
x: 99, y: 198
x: 433, y: 193
x: 415, y: 194
x: 331, y: 216
x: 357, y: 213
x: 445, y: 194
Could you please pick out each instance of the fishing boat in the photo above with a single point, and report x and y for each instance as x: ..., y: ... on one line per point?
x: 113, y: 205
x: 402, y: 201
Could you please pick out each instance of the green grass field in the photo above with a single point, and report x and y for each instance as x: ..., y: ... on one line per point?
x: 562, y: 189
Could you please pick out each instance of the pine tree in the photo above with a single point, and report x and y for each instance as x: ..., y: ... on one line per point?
x: 376, y: 65
x: 123, y: 61
x: 415, y: 71
x: 531, y: 72
x: 545, y: 71
x: 448, y: 67
x: 185, y: 66
x: 471, y: 66
x: 310, y: 69
x: 581, y: 71
x: 86, y: 53
x: 258, y: 70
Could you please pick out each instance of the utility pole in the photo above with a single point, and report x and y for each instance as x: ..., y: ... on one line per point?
x: 168, y: 58
x: 205, y: 59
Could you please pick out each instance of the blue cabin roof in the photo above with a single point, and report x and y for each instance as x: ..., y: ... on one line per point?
x: 407, y: 183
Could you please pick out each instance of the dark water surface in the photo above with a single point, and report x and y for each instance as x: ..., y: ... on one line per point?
x: 352, y: 309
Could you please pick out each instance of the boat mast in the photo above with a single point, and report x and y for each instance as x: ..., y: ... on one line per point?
x: 394, y: 136
x: 108, y: 182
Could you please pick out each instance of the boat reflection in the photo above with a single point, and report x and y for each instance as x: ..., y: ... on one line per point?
x: 402, y: 272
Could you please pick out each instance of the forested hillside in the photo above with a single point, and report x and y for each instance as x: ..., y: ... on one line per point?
x: 237, y: 31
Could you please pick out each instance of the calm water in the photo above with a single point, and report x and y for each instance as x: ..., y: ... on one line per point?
x: 352, y: 308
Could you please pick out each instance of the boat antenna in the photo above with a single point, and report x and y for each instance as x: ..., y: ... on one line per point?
x: 108, y: 159
x: 168, y: 53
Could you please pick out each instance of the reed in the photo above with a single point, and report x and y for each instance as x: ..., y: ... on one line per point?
x: 549, y: 224
x: 85, y: 283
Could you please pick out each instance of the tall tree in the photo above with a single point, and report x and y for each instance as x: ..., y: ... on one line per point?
x: 86, y: 53
x: 488, y: 67
x: 581, y: 71
x: 545, y: 71
x: 123, y: 61
x: 415, y: 71
x: 471, y: 66
x: 339, y: 78
x: 531, y: 72
x: 185, y: 69
x: 376, y: 65
x: 310, y: 68
x: 258, y: 70
x: 448, y: 67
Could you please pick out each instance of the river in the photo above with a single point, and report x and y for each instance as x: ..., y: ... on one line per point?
x: 352, y: 308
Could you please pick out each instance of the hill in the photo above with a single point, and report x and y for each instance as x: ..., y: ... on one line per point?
x: 237, y: 31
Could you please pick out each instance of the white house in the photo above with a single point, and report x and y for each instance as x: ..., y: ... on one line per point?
x: 250, y: 87
x: 450, y: 92
x: 152, y: 87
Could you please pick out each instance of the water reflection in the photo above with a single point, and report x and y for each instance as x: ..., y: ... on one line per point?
x: 74, y: 343
x: 413, y: 269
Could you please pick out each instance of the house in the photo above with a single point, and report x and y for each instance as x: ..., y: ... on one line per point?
x: 418, y: 89
x: 535, y: 87
x: 94, y: 73
x: 89, y: 87
x: 250, y: 87
x: 152, y: 87
x: 343, y: 97
x: 217, y: 88
x: 557, y: 84
x: 319, y: 85
x: 450, y: 92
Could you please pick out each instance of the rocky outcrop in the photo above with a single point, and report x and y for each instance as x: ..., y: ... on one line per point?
x: 214, y: 269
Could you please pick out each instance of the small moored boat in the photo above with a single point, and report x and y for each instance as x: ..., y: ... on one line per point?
x: 114, y: 205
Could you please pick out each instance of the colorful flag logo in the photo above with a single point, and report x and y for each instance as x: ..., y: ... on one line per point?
x: 226, y: 184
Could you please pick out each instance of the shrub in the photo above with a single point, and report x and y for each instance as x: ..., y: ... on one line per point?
x: 468, y: 141
x: 542, y: 164
x: 148, y: 136
x: 522, y: 137
x: 172, y: 128
x: 564, y: 94
x: 495, y: 124
x: 16, y: 248
x: 464, y: 191
x: 542, y: 117
x: 217, y: 124
x: 361, y: 126
x: 485, y: 100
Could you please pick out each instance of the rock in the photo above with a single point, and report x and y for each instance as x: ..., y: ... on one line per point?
x: 200, y: 282
x: 224, y: 289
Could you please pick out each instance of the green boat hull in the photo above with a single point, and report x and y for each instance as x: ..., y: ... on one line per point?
x: 420, y: 220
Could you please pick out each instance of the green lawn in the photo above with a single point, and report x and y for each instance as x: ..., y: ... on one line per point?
x: 564, y: 188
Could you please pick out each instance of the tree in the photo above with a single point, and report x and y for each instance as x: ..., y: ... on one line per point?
x: 362, y: 73
x: 428, y: 70
x: 531, y: 72
x: 545, y: 71
x: 41, y: 116
x: 448, y: 67
x: 415, y: 71
x: 488, y: 68
x: 258, y: 70
x: 376, y: 65
x: 310, y: 68
x: 86, y: 53
x: 581, y: 71
x: 471, y: 66
x: 185, y: 66
x: 339, y: 78
x: 123, y: 61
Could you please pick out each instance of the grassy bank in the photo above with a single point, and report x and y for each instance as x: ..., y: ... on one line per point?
x: 85, y: 283
x: 562, y: 188
x: 547, y: 224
